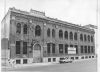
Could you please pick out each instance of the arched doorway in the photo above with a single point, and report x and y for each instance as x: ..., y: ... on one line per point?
x: 37, y: 53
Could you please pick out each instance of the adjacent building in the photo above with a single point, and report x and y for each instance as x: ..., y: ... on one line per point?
x: 33, y: 37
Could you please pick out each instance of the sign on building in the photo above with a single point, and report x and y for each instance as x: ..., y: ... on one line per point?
x: 71, y: 50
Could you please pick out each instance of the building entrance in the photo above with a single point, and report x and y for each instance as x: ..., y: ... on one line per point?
x: 36, y: 53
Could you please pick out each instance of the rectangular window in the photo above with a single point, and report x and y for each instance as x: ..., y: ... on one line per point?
x: 72, y: 58
x: 54, y: 59
x: 48, y: 47
x: 71, y: 45
x: 88, y: 49
x: 60, y: 48
x: 17, y: 61
x: 66, y: 48
x: 76, y: 57
x: 53, y: 48
x: 82, y: 57
x: 24, y: 61
x: 24, y: 47
x: 49, y: 59
x: 82, y: 49
x: 92, y: 56
x: 92, y: 49
x: 85, y: 49
x: 86, y: 57
x: 25, y: 29
x: 89, y: 56
x: 18, y: 28
x: 17, y: 47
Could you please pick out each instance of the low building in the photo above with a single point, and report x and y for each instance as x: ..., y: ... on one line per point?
x: 33, y: 37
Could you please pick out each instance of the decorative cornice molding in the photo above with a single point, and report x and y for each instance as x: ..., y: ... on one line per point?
x: 50, y: 20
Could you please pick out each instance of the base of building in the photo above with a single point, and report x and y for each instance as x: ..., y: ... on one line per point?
x: 74, y: 58
x: 17, y: 61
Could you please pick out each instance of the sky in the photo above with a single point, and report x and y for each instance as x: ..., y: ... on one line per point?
x: 81, y: 12
x: 74, y: 11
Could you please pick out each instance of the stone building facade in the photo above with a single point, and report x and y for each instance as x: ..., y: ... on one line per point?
x: 33, y: 37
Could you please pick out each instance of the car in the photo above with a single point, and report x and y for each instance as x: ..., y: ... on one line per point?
x: 65, y: 60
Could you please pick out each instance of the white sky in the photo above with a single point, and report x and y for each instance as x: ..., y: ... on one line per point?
x: 75, y: 11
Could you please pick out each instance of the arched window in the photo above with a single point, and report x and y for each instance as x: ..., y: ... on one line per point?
x: 71, y: 36
x: 81, y: 37
x: 48, y: 32
x: 91, y: 38
x: 85, y: 39
x: 18, y: 28
x: 37, y: 30
x: 75, y: 36
x: 88, y: 38
x: 53, y: 33
x: 66, y: 35
x: 25, y: 29
x: 60, y: 34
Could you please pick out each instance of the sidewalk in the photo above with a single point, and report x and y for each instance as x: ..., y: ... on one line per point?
x: 18, y: 66
x: 33, y: 65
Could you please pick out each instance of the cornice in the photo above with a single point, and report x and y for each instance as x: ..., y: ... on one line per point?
x: 50, y: 20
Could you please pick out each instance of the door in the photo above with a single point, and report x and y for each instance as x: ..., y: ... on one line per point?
x: 37, y: 53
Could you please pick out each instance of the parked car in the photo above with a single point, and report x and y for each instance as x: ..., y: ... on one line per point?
x: 65, y: 60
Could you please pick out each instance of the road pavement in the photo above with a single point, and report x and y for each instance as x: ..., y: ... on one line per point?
x: 81, y: 66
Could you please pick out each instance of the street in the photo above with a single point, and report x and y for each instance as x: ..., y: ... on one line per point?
x: 81, y: 66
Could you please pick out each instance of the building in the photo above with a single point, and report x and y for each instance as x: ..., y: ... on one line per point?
x: 32, y: 37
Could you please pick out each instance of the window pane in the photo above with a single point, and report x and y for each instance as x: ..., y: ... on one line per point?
x: 81, y: 37
x: 88, y: 49
x: 60, y: 48
x: 37, y: 30
x: 91, y: 38
x: 18, y: 28
x: 92, y: 49
x: 53, y: 48
x: 66, y: 48
x: 24, y: 47
x: 88, y: 38
x: 48, y: 32
x: 49, y: 59
x: 17, y: 47
x: 53, y: 33
x: 75, y: 36
x: 17, y: 61
x: 25, y: 29
x: 82, y: 50
x: 48, y: 47
x: 85, y: 39
x: 66, y: 35
x: 71, y: 36
x: 85, y: 49
x: 60, y: 34
x: 24, y: 61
